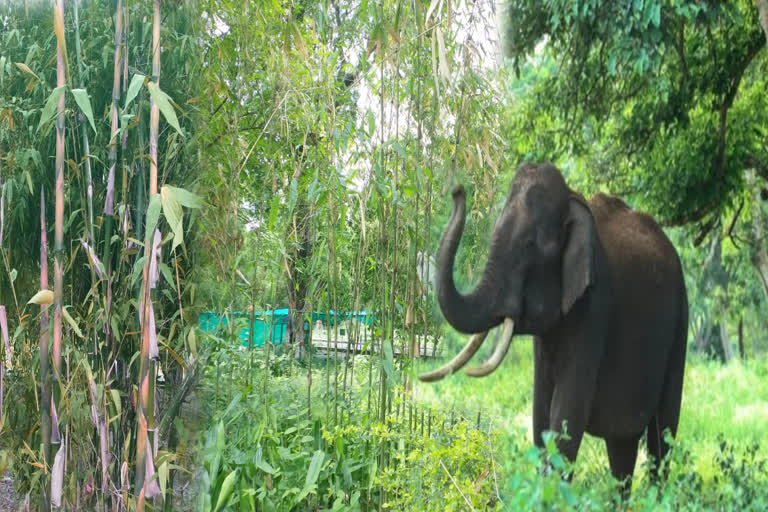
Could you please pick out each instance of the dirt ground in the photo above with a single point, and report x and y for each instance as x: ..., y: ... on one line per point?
x: 7, y: 495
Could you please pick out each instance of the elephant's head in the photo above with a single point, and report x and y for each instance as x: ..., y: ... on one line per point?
x: 541, y: 260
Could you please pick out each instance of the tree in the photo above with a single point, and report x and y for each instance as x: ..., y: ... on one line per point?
x: 662, y: 101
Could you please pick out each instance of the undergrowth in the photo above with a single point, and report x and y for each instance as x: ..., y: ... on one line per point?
x: 464, y: 444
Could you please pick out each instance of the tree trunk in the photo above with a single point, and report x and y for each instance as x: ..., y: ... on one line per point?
x: 724, y: 338
x: 296, y: 261
x: 742, y: 355
x: 759, y: 256
x: 713, y: 339
x: 762, y: 9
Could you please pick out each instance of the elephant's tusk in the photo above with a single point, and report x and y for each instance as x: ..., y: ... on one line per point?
x: 457, y: 362
x: 498, y: 355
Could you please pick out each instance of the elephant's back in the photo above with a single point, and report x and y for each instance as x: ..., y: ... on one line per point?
x: 633, y: 241
x: 648, y: 297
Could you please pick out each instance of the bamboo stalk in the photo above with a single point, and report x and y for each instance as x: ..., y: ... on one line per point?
x: 309, y: 356
x: 146, y: 398
x: 154, y: 110
x: 58, y: 250
x: 109, y: 202
x: 45, y: 384
x: 84, y: 132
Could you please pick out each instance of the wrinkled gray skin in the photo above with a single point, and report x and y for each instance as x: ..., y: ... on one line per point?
x: 601, y: 288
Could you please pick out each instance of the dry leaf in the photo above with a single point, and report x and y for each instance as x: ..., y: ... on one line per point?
x: 42, y: 297
x: 57, y: 476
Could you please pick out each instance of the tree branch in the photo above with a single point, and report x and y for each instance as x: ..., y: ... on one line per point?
x: 762, y: 9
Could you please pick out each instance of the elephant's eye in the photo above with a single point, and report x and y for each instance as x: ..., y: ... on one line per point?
x: 545, y: 241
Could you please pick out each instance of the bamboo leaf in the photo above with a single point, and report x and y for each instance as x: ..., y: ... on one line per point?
x: 185, y: 197
x: 162, y: 473
x: 226, y: 489
x: 72, y: 323
x: 173, y: 199
x: 136, y: 82
x: 4, y: 331
x: 167, y: 274
x: 153, y: 214
x: 314, y: 468
x: 388, y: 360
x: 434, y: 4
x: 84, y: 102
x: 29, y: 181
x: 41, y: 297
x: 442, y: 59
x: 163, y: 102
x: 138, y: 265
x: 115, y: 394
x: 192, y: 341
x: 173, y: 214
x: 26, y: 70
x: 49, y: 110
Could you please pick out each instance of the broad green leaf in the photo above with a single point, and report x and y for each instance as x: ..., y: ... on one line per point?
x: 153, y: 214
x: 115, y: 394
x: 84, y: 102
x: 71, y: 322
x: 173, y: 214
x: 136, y: 82
x: 185, y: 197
x: 49, y: 110
x: 192, y: 341
x: 29, y: 181
x: 314, y: 468
x: 167, y: 274
x: 388, y: 359
x: 163, y: 102
x: 371, y: 123
x: 162, y: 477
x: 138, y: 265
x: 226, y: 489
x: 273, y: 210
x: 221, y: 440
x: 173, y: 198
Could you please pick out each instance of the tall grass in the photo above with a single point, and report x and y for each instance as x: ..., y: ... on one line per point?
x: 465, y: 444
x: 724, y: 414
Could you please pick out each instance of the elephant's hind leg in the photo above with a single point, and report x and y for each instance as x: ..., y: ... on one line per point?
x: 668, y: 412
x: 622, y: 454
x: 665, y: 419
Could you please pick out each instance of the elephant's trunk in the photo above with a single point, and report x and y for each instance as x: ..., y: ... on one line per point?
x: 473, y: 312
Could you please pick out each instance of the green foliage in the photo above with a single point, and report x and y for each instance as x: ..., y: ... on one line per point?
x: 101, y: 322
x: 288, y: 455
x: 292, y: 457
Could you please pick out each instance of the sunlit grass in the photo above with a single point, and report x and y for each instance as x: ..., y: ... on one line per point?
x: 718, y: 400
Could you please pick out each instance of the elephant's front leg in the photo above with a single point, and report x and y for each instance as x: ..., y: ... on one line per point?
x: 543, y: 387
x: 574, y: 390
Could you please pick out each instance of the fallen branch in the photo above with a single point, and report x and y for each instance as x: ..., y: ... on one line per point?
x: 469, y: 503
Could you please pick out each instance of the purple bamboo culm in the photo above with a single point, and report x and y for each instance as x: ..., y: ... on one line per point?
x: 4, y: 329
x: 93, y: 260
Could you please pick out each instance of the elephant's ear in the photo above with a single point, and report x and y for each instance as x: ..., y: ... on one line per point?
x: 578, y: 255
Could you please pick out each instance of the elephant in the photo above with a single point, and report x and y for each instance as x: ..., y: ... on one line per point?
x: 600, y: 288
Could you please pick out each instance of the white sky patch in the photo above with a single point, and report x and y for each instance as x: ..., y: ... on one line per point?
x: 476, y: 44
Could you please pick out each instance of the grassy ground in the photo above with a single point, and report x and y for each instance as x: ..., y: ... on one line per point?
x: 720, y: 403
x: 267, y: 443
